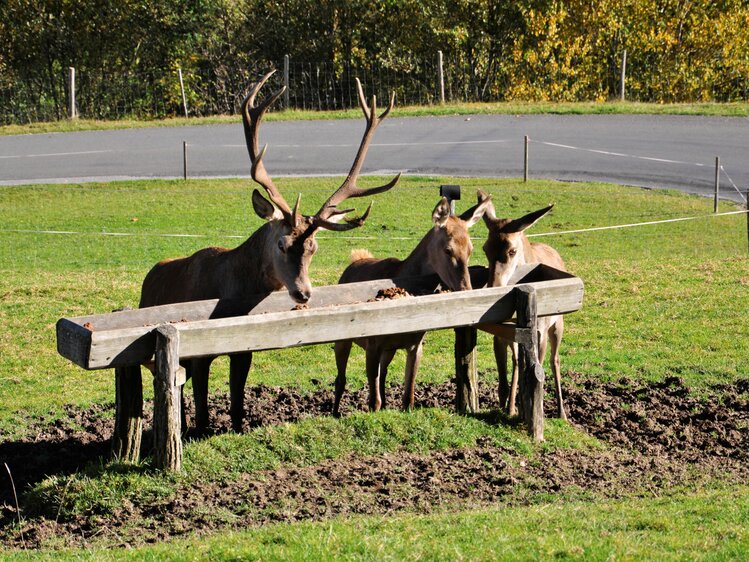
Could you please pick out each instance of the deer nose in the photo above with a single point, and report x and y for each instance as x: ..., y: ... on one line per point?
x: 300, y: 296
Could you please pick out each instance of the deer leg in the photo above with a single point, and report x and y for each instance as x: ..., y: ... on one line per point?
x: 386, y: 357
x: 413, y: 359
x: 199, y: 369
x: 342, y: 351
x: 500, y: 355
x: 512, y: 406
x: 188, y: 374
x: 373, y: 376
x: 239, y: 367
x: 555, y: 338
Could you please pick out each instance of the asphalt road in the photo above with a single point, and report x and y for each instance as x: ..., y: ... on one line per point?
x: 649, y: 151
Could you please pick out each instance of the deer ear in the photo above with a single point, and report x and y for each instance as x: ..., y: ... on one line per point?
x: 264, y: 208
x: 441, y: 212
x: 474, y: 214
x: 521, y: 224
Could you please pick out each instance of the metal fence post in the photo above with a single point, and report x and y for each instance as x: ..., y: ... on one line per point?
x: 525, y: 159
x: 441, y: 76
x: 286, y: 81
x: 717, y: 184
x: 71, y: 89
x: 623, y: 76
x: 182, y: 88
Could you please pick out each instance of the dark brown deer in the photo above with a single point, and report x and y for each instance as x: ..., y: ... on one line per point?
x: 275, y: 256
x: 444, y: 250
x: 506, y: 248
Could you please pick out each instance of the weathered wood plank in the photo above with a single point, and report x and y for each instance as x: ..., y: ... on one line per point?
x: 133, y: 341
x: 430, y: 312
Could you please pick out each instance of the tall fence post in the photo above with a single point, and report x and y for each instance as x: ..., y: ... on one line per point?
x: 441, y: 76
x: 71, y: 88
x: 717, y: 184
x: 525, y: 158
x: 747, y: 218
x: 184, y: 159
x: 182, y: 89
x: 286, y: 81
x: 623, y: 76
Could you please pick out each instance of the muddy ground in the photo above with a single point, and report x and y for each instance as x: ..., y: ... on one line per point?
x: 658, y: 435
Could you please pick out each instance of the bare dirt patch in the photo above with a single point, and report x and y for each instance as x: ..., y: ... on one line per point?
x: 658, y: 435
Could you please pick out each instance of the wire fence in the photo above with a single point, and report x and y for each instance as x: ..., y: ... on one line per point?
x: 328, y: 86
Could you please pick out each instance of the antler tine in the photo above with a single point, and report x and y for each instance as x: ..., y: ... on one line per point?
x: 340, y: 227
x: 349, y: 188
x: 251, y: 117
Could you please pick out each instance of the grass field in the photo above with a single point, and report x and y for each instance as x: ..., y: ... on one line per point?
x: 660, y: 300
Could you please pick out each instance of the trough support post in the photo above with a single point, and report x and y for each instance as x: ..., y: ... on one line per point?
x: 128, y: 420
x: 466, y: 376
x: 532, y: 373
x: 167, y: 435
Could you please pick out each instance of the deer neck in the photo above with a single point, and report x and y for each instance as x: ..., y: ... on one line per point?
x: 251, y: 263
x: 418, y: 263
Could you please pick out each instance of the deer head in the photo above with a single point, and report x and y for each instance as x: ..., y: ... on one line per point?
x: 292, y: 242
x: 450, y: 245
x: 507, y: 247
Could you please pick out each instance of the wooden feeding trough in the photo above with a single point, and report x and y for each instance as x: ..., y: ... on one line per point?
x: 164, y: 335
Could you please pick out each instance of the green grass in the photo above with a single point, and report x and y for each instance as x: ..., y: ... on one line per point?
x: 655, y: 295
x: 660, y: 300
x: 708, y: 524
x: 222, y: 459
x: 738, y: 109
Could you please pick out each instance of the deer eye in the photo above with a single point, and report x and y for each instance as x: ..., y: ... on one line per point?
x: 448, y: 251
x: 282, y: 246
x: 512, y: 252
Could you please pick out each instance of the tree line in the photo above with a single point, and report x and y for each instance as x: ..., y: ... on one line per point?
x: 678, y: 50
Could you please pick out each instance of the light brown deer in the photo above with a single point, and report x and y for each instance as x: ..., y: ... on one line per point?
x: 506, y: 248
x: 444, y: 250
x: 275, y: 256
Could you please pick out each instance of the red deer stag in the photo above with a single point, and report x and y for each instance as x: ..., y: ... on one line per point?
x: 444, y: 250
x: 275, y: 256
x: 506, y: 248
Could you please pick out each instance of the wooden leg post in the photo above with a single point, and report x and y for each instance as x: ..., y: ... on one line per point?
x: 532, y: 373
x: 167, y: 379
x: 128, y: 420
x: 466, y: 376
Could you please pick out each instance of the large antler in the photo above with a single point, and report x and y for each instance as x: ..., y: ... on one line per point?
x: 348, y: 188
x: 251, y: 117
